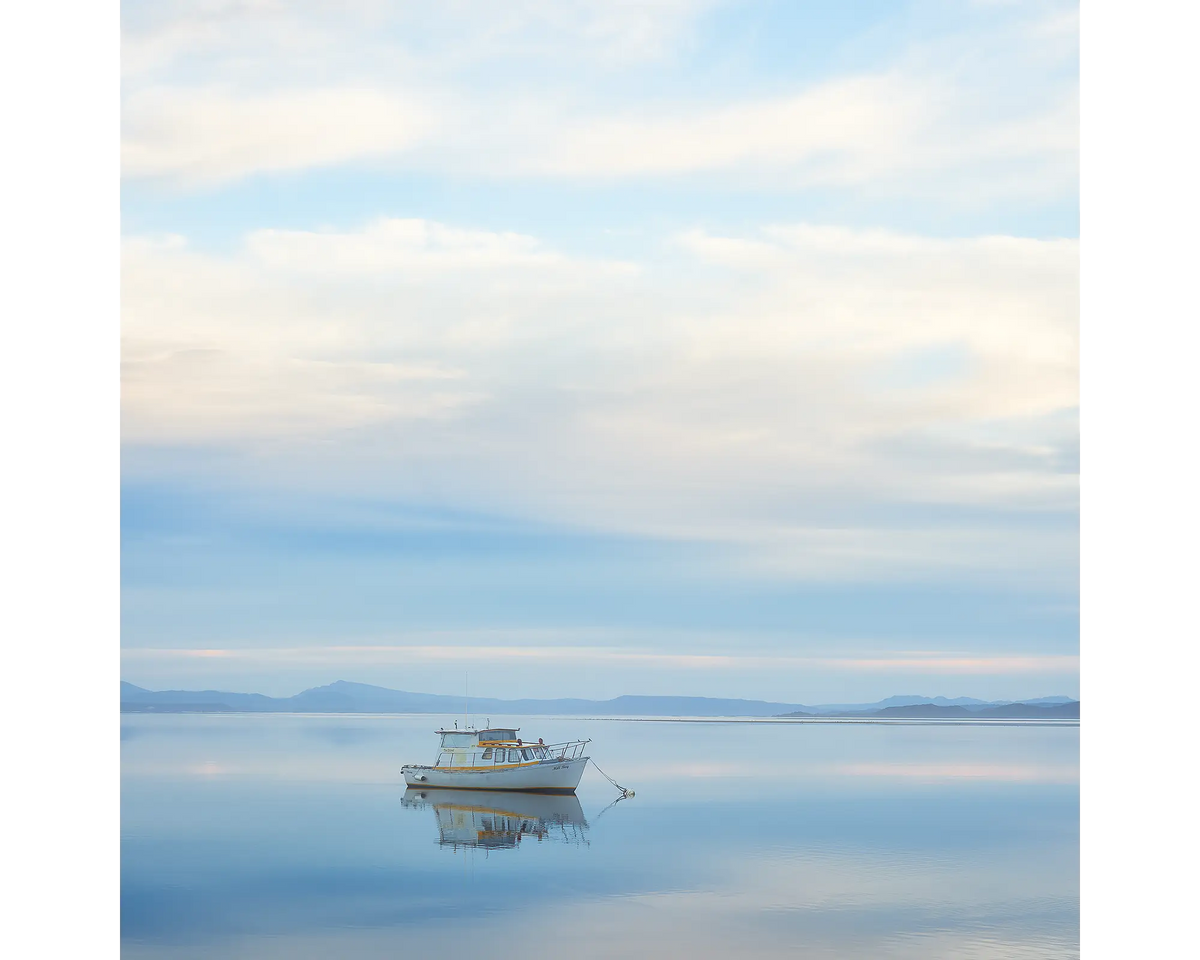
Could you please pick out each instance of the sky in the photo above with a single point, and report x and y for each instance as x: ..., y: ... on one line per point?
x: 599, y: 348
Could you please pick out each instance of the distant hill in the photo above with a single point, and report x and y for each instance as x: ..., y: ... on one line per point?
x: 344, y: 696
x: 1055, y: 711
x: 134, y: 707
x: 246, y: 702
x: 1029, y: 710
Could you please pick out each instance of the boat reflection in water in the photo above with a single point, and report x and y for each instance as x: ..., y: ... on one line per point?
x: 500, y: 820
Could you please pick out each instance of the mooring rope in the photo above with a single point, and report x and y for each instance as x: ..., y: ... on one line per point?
x: 625, y: 791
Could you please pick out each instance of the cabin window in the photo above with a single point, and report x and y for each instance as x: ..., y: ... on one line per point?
x: 487, y: 754
x: 527, y: 753
x: 514, y: 756
x: 539, y: 752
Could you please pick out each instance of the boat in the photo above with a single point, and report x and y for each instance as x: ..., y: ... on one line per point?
x: 498, y: 759
x: 499, y: 820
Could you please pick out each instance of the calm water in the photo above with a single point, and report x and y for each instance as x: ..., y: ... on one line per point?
x: 291, y: 836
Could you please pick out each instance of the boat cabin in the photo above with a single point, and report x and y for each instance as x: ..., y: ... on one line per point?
x: 498, y: 747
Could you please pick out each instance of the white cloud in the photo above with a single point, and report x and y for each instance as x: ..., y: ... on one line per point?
x: 889, y: 133
x: 302, y: 34
x: 211, y: 135
x: 893, y: 132
x: 935, y: 663
x: 746, y: 393
x: 212, y: 394
x: 876, y: 290
x: 403, y: 245
x: 217, y: 91
x: 839, y: 130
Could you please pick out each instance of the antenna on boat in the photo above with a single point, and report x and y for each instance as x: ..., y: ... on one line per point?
x: 466, y: 699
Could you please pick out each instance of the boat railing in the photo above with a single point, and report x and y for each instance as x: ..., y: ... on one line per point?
x: 527, y: 752
x: 567, y: 750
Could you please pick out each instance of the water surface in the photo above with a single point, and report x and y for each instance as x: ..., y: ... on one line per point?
x: 292, y: 836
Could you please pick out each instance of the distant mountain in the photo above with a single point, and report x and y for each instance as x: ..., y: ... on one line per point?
x: 899, y: 701
x: 1050, y: 711
x: 246, y: 702
x: 1028, y: 710
x: 910, y: 700
x: 344, y: 696
x: 134, y: 707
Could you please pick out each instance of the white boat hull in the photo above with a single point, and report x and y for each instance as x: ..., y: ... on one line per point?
x: 549, y: 776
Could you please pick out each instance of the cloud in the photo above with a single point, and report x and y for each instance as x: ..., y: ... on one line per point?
x: 291, y: 39
x: 207, y: 136
x: 780, y: 403
x: 403, y: 246
x: 838, y: 130
x: 930, y: 664
x: 759, y: 390
x: 597, y: 91
x: 889, y: 132
x: 218, y: 90
x: 213, y: 394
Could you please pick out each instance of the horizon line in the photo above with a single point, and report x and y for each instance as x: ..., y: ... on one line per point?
x: 661, y: 696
